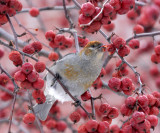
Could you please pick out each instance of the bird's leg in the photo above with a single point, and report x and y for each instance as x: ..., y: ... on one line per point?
x: 57, y: 77
x: 77, y: 103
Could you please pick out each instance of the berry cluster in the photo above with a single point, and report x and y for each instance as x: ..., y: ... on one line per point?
x: 120, y: 44
x: 82, y: 41
x: 30, y: 79
x: 32, y: 48
x: 89, y: 11
x: 155, y: 58
x: 9, y: 7
x: 148, y: 104
x: 144, y: 111
x: 121, y: 70
x: 108, y: 112
x: 124, y: 85
x: 58, y: 40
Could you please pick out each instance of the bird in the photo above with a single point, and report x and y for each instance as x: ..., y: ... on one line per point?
x: 76, y: 71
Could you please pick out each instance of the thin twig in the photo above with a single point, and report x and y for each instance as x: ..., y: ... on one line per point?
x: 150, y: 34
x: 32, y: 34
x: 37, y: 120
x: 25, y: 10
x: 135, y: 72
x: 67, y: 16
x: 14, y: 99
x: 13, y: 30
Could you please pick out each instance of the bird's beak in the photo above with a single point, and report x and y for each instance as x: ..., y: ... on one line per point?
x: 103, y: 47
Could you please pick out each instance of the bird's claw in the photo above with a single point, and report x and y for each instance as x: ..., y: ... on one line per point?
x: 77, y: 103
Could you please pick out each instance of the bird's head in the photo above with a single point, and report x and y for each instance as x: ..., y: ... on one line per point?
x: 93, y: 49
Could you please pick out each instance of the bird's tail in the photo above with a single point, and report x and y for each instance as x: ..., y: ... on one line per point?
x: 42, y: 110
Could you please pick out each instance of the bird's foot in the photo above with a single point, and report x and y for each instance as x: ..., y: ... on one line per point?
x: 77, y: 103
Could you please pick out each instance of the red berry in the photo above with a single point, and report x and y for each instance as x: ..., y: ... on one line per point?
x: 119, y: 42
x: 82, y: 129
x: 83, y: 19
x: 105, y: 108
x: 87, y: 9
x: 157, y: 49
x: 130, y: 102
x: 53, y: 56
x: 116, y: 4
x: 39, y: 66
x: 105, y: 118
x: 125, y: 111
x: 138, y: 117
x: 32, y: 77
x: 115, y: 84
x: 153, y: 120
x: 109, y: 27
x: 61, y: 126
x: 91, y: 125
x: 29, y: 49
x: 19, y: 76
x: 27, y: 68
x: 113, y: 113
x: 138, y: 29
x: 59, y: 39
x: 134, y: 44
x: 105, y: 20
x: 52, y: 44
x: 26, y: 85
x: 4, y: 79
x: 144, y: 127
x: 68, y: 42
x: 108, y: 9
x: 97, y: 83
x: 103, y: 72
x: 94, y: 27
x: 154, y: 111
x: 151, y: 99
x: 29, y: 118
x: 114, y: 129
x: 97, y: 10
x: 75, y: 117
x: 154, y: 71
x: 132, y: 14
x: 111, y: 49
x: 103, y: 127
x: 155, y: 58
x: 34, y: 12
x: 50, y: 35
x: 143, y: 101
x: 38, y: 84
x: 37, y: 94
x: 126, y: 84
x: 37, y: 46
x: 14, y: 56
x: 83, y: 41
x: 124, y: 51
x: 51, y: 124
x: 86, y: 96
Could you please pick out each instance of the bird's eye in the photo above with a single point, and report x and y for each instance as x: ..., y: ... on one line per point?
x: 93, y: 46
